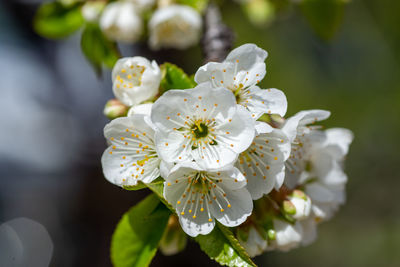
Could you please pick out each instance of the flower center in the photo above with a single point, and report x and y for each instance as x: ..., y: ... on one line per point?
x: 199, y: 129
x: 238, y: 92
x: 131, y: 77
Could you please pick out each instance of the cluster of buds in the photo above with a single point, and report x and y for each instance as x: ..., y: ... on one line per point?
x: 169, y: 25
x: 226, y: 153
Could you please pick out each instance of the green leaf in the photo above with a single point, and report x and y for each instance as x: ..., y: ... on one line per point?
x: 97, y: 48
x: 140, y: 185
x: 158, y: 189
x: 54, y: 20
x: 222, y: 246
x: 136, y: 238
x: 199, y: 5
x: 324, y: 16
x: 174, y: 77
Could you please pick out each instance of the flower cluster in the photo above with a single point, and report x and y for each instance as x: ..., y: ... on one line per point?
x: 169, y: 25
x: 226, y: 153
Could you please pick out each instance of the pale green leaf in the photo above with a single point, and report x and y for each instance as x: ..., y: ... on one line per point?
x: 141, y: 185
x: 54, y: 20
x: 174, y: 77
x: 222, y: 246
x: 136, y: 238
x: 97, y: 48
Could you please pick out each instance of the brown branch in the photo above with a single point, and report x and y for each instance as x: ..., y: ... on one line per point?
x: 217, y: 38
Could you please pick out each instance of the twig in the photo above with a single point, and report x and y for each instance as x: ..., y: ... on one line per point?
x: 217, y: 38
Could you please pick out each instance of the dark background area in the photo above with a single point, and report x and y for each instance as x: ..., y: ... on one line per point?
x: 51, y: 127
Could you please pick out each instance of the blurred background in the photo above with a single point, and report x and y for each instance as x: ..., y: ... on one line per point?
x: 51, y: 127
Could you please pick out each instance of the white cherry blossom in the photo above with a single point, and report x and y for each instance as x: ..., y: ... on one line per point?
x: 135, y: 79
x: 203, y: 124
x: 243, y: 68
x: 201, y: 197
x: 316, y: 161
x: 174, y: 26
x: 121, y: 22
x: 326, y: 180
x: 263, y: 163
x: 131, y: 155
x: 298, y: 130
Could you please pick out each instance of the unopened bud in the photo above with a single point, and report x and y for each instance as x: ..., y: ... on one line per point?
x: 299, y: 194
x: 114, y: 109
x: 288, y: 207
x: 302, y: 205
x: 91, y: 10
x: 271, y: 234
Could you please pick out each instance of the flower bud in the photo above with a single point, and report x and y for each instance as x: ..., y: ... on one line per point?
x: 271, y: 233
x: 114, y: 109
x: 174, y: 239
x: 302, y: 205
x: 91, y: 10
x: 175, y: 26
x: 288, y: 207
x: 135, y: 79
x: 120, y: 22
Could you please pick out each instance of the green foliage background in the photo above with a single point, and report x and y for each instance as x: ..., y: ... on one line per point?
x: 357, y: 77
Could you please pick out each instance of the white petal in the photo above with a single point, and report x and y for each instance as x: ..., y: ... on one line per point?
x: 131, y: 156
x: 287, y: 236
x: 324, y: 211
x: 247, y: 54
x: 263, y: 163
x: 165, y: 110
x: 260, y: 101
x: 262, y: 127
x: 234, y: 208
x: 217, y: 74
x: 172, y: 147
x: 165, y: 168
x: 218, y: 103
x: 319, y: 193
x: 340, y: 137
x: 214, y: 156
x: 238, y: 133
x: 144, y: 109
x: 199, y: 225
x: 303, y: 118
x: 309, y: 231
